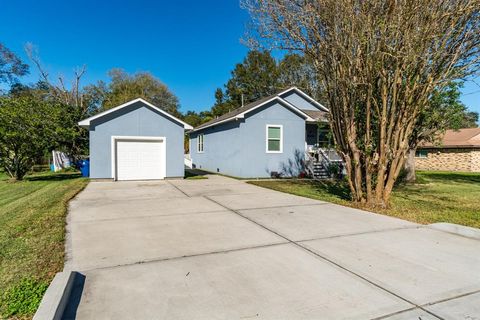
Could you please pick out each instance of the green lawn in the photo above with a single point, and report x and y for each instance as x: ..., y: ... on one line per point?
x: 32, y: 234
x: 436, y: 197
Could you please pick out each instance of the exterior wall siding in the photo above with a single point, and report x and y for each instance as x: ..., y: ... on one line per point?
x: 298, y: 101
x: 134, y: 120
x: 238, y: 148
x: 467, y: 160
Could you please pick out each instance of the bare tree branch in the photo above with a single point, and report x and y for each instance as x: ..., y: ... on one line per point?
x: 379, y: 62
x: 71, y: 96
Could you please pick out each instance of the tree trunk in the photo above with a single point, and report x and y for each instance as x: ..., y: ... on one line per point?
x: 410, y: 166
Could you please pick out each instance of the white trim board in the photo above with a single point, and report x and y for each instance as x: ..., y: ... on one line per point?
x: 86, y: 122
x: 280, y: 100
x: 113, y: 155
x: 307, y: 97
x: 198, y: 142
x: 242, y: 115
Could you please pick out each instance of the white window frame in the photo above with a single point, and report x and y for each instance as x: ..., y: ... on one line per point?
x: 266, y: 137
x: 202, y: 144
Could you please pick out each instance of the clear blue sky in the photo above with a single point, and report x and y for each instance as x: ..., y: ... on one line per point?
x: 190, y: 45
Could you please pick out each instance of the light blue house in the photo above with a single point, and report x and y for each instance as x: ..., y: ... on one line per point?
x: 270, y: 137
x: 136, y: 141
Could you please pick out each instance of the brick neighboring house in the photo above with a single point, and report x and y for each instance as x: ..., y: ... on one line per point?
x: 458, y: 151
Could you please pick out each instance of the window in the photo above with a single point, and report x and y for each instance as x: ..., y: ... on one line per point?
x: 200, y: 143
x: 274, y: 138
x: 421, y: 154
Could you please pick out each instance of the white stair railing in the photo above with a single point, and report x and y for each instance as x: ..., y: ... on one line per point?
x: 187, y: 160
x: 309, y: 167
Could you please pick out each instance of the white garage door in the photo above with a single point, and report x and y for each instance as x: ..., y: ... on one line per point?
x: 140, y: 160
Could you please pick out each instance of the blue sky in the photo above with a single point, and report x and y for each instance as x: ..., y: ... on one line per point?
x: 190, y: 45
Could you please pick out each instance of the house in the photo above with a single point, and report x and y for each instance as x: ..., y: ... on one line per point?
x: 457, y: 151
x: 136, y: 141
x: 273, y: 136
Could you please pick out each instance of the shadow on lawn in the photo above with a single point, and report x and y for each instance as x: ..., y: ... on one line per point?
x: 342, y: 191
x: 337, y: 188
x: 54, y: 176
x: 451, y: 177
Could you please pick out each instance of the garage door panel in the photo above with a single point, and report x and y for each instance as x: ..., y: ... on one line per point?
x: 140, y: 160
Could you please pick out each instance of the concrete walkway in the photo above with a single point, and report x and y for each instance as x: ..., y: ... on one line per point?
x: 224, y: 249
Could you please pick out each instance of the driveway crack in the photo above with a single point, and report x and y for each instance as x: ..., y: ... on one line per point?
x: 177, y: 188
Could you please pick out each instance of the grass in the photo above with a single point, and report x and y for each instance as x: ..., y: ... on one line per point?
x: 195, y: 174
x: 32, y: 235
x: 436, y: 197
x: 196, y: 178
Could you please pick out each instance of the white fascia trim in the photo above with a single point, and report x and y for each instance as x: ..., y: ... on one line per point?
x: 317, y: 121
x: 242, y: 115
x: 219, y: 122
x: 281, y: 100
x: 86, y: 122
x: 295, y: 109
x: 306, y: 96
x: 136, y: 138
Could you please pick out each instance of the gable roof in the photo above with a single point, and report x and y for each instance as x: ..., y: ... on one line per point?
x: 86, y: 122
x: 462, y: 138
x: 239, y: 113
x: 306, y: 97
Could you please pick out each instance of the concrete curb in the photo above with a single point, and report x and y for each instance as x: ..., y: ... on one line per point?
x: 464, y: 231
x: 56, y: 298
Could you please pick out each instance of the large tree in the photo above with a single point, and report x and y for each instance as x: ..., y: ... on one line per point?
x: 254, y: 78
x: 26, y: 130
x: 11, y: 66
x: 379, y: 62
x: 124, y: 87
x: 444, y: 111
x: 64, y: 133
x: 260, y: 75
x: 297, y: 70
x: 70, y: 102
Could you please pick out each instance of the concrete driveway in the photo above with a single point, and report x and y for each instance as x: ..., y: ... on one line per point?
x: 224, y: 249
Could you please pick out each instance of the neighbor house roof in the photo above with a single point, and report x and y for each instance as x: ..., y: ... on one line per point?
x: 86, y: 122
x: 239, y: 113
x: 462, y: 138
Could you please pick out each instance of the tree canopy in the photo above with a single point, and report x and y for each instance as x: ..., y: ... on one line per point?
x: 25, y: 132
x: 260, y: 75
x: 11, y: 66
x: 380, y: 62
x: 124, y: 87
x: 443, y: 111
x: 256, y: 77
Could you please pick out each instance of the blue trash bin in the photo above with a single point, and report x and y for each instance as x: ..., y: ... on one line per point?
x: 84, y: 167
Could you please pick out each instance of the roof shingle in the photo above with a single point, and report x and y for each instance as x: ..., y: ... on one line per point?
x: 309, y: 114
x: 235, y: 112
x: 462, y: 138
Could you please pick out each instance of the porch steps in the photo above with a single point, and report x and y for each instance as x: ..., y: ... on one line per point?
x: 319, y: 171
